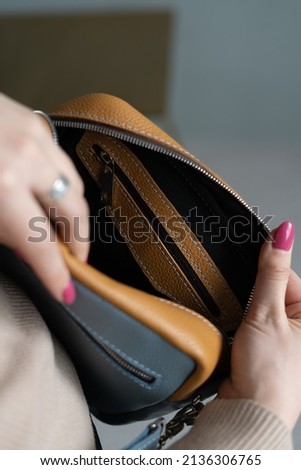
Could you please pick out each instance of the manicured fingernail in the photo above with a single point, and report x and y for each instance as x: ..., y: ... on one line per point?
x: 284, y: 236
x: 69, y: 294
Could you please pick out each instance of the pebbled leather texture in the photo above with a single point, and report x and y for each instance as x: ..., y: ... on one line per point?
x: 172, y: 312
x: 186, y: 330
x: 155, y: 261
x: 113, y: 111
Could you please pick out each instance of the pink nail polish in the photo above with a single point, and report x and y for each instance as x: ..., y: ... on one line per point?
x: 284, y: 236
x: 69, y: 294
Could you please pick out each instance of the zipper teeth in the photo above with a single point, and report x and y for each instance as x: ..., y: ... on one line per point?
x: 50, y: 123
x: 131, y: 138
x: 115, y: 356
x: 126, y: 365
x: 170, y: 246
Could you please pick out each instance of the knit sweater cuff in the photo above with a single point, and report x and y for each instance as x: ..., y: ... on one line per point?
x: 236, y: 424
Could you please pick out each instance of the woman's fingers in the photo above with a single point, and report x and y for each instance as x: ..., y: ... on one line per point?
x: 273, y: 274
x: 69, y: 214
x: 34, y: 242
x: 293, y: 292
x: 30, y: 164
x: 265, y: 357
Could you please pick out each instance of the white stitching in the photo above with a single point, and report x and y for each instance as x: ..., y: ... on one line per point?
x: 80, y: 150
x: 136, y: 254
x: 202, y: 197
x: 111, y: 360
x: 201, y: 253
x: 194, y: 314
x: 164, y: 255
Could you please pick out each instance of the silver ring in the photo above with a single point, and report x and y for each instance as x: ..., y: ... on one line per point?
x: 59, y: 188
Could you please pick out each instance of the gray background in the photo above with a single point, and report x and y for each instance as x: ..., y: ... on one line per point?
x: 233, y: 98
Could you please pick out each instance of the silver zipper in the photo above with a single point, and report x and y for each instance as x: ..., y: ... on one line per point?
x: 115, y: 356
x: 130, y: 138
x: 126, y: 365
x: 140, y: 374
x: 50, y: 124
x: 133, y: 139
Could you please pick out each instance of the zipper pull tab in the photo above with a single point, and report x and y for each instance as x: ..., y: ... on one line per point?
x: 106, y: 183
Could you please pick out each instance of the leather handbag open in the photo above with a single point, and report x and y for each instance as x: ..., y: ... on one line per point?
x: 171, y: 269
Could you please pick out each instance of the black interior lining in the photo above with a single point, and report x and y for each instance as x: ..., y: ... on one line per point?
x: 108, y: 252
x: 230, y: 233
x: 169, y: 244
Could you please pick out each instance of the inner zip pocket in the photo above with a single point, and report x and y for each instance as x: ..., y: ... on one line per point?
x: 111, y: 167
x: 119, y: 360
x: 180, y: 270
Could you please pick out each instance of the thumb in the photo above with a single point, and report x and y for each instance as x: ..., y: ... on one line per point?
x: 273, y: 272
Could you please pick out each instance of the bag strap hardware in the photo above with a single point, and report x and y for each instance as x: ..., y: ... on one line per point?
x: 185, y: 417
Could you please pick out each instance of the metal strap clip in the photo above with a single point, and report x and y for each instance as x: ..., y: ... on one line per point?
x: 185, y: 417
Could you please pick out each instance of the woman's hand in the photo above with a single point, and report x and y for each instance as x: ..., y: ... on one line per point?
x: 266, y: 354
x: 30, y: 163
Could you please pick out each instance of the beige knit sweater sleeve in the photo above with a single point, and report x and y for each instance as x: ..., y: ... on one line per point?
x: 42, y: 405
x: 41, y: 402
x: 236, y: 424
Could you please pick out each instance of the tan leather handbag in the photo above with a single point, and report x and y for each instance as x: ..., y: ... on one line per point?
x: 171, y: 268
